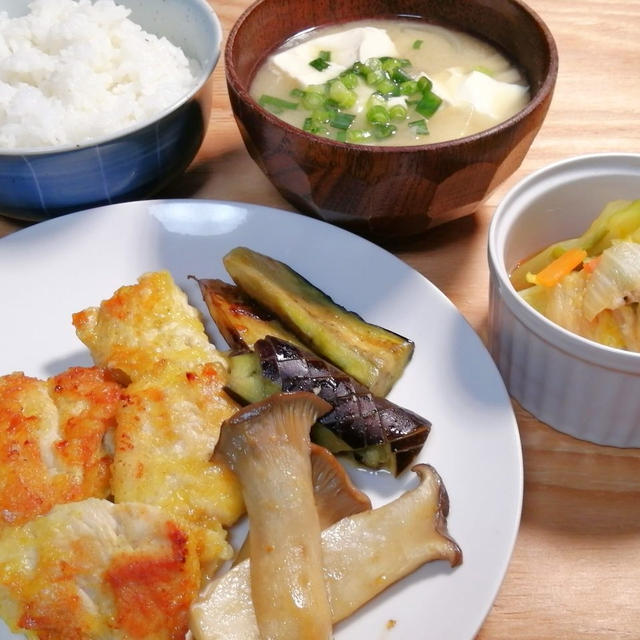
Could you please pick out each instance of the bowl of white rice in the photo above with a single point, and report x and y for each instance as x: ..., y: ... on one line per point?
x: 101, y: 101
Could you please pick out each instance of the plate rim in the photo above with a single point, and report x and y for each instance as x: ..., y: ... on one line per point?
x: 514, y: 431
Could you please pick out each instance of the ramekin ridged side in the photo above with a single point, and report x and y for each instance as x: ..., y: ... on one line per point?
x: 576, y: 386
x: 574, y: 396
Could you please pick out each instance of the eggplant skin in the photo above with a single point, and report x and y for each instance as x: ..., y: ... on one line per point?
x: 240, y: 320
x: 371, y: 354
x: 358, y: 418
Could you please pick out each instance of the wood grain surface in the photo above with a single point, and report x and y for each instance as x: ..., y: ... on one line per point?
x: 575, y: 571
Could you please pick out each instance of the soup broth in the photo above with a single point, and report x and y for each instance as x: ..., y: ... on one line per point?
x: 468, y: 85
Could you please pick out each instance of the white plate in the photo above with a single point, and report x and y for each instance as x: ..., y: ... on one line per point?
x: 55, y: 268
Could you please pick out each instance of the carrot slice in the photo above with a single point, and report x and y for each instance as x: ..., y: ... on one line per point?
x: 559, y: 268
x: 590, y: 265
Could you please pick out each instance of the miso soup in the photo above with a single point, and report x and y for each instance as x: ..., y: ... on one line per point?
x: 390, y: 82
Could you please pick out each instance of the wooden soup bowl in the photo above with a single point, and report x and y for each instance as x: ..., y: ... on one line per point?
x: 389, y: 192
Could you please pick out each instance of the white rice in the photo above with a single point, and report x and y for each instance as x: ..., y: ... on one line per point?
x: 72, y: 71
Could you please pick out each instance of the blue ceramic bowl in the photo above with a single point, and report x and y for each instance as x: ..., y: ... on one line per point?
x: 136, y: 162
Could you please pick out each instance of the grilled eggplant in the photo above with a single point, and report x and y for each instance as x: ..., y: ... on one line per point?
x: 238, y: 318
x: 376, y: 432
x: 372, y: 355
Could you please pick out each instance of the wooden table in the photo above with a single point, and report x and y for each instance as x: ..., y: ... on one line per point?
x: 575, y: 572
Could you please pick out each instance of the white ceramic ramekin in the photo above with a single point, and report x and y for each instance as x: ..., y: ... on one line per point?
x: 578, y: 387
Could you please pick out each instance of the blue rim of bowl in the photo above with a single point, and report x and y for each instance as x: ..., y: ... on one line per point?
x: 545, y: 89
x: 574, y: 345
x: 205, y: 74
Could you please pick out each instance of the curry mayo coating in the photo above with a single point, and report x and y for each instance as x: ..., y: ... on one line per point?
x: 175, y: 404
x: 94, y: 570
x: 167, y: 431
x: 143, y: 326
x: 56, y: 440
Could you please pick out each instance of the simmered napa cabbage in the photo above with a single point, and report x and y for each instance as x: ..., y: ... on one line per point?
x: 591, y: 285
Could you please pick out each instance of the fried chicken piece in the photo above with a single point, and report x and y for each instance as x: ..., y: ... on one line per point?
x: 56, y: 440
x: 169, y: 426
x: 144, y: 325
x: 167, y: 431
x: 92, y: 570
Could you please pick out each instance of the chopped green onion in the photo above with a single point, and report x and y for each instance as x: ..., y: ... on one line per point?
x: 319, y: 64
x: 375, y: 64
x: 357, y: 135
x: 397, y: 112
x: 322, y: 61
x: 409, y: 87
x: 381, y: 131
x: 400, y: 76
x: 341, y: 120
x: 314, y: 126
x: 360, y: 69
x: 327, y: 104
x: 378, y: 115
x: 429, y: 104
x: 424, y: 84
x: 276, y: 105
x: 387, y: 87
x: 376, y: 98
x: 390, y: 64
x: 374, y: 77
x: 323, y: 114
x: 419, y: 127
x: 343, y: 97
x: 312, y: 100
x: 416, y: 44
x: 349, y: 79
